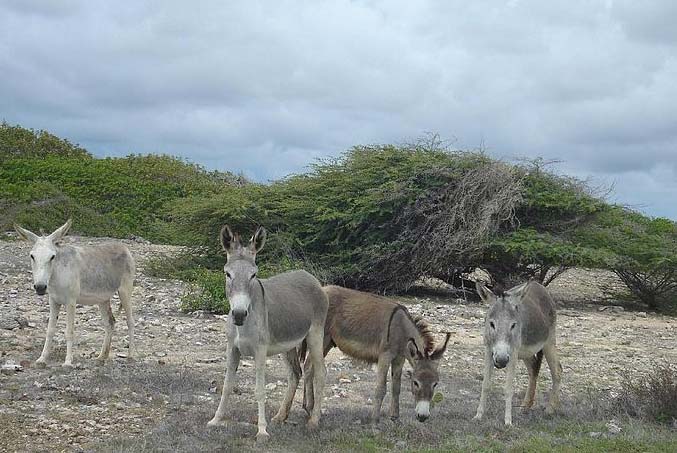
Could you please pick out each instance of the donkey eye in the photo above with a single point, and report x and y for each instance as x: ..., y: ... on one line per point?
x: 434, y: 385
x: 52, y: 258
x: 228, y: 275
x: 252, y: 277
x: 491, y: 323
x: 513, y: 326
x: 416, y: 384
x: 32, y: 257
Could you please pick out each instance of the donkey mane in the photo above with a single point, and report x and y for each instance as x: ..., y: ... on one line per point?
x: 426, y: 333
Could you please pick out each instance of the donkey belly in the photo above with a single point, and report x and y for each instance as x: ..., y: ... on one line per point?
x: 529, y: 350
x: 280, y: 348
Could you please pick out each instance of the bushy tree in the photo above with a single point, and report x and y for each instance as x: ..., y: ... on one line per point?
x: 640, y: 250
x: 16, y: 141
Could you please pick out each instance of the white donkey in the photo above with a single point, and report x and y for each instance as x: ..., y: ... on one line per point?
x: 87, y: 275
x: 520, y: 324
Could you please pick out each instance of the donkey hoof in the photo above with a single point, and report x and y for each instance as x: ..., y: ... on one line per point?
x: 67, y: 366
x: 40, y: 363
x: 312, y: 425
x: 550, y: 410
x: 262, y: 437
x: 216, y: 422
x: 279, y: 419
x: 477, y: 417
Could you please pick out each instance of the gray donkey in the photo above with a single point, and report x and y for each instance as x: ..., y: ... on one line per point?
x: 520, y: 324
x: 87, y: 275
x: 268, y: 317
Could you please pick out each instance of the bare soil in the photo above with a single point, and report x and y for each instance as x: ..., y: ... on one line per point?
x: 163, y: 400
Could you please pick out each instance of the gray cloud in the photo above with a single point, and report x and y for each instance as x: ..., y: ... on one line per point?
x: 267, y: 87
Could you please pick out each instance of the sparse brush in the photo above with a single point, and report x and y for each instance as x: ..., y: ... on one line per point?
x: 652, y: 395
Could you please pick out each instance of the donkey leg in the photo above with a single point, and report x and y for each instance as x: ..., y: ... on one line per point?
x: 486, y: 383
x: 70, y: 333
x: 395, y: 386
x: 551, y: 356
x: 54, y: 309
x: 308, y: 397
x: 533, y: 365
x: 125, y: 293
x: 108, y: 325
x: 315, y: 340
x: 382, y: 366
x: 232, y: 361
x: 509, y: 389
x: 260, y: 393
x: 293, y: 376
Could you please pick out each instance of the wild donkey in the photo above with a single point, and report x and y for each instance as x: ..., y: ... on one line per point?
x: 520, y: 324
x: 268, y: 317
x: 87, y: 275
x: 379, y: 330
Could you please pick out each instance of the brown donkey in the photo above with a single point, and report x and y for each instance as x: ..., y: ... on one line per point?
x: 379, y: 330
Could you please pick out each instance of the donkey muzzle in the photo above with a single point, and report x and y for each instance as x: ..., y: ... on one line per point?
x: 239, y: 316
x: 40, y: 288
x: 501, y: 361
x: 422, y: 411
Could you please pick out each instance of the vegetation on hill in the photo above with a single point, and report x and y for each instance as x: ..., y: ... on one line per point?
x: 44, y: 180
x: 376, y: 218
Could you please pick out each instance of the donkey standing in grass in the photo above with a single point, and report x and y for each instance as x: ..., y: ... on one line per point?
x: 379, y: 330
x: 268, y: 317
x: 87, y: 275
x: 520, y: 324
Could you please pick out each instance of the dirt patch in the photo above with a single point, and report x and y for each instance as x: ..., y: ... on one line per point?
x: 172, y: 388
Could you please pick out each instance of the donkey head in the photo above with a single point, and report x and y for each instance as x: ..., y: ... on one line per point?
x: 240, y: 270
x: 424, y: 377
x: 503, y: 324
x: 43, y: 254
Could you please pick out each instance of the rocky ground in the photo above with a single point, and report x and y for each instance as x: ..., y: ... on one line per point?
x: 180, y: 368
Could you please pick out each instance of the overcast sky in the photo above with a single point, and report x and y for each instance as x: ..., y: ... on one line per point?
x: 265, y: 88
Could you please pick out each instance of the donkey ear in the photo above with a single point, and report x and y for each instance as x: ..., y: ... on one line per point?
x: 518, y: 291
x: 27, y: 235
x: 258, y: 240
x: 228, y: 239
x: 60, y: 232
x: 485, y: 293
x: 439, y: 352
x: 413, y: 349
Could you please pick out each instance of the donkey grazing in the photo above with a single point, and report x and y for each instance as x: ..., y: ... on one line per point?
x: 379, y: 330
x: 87, y: 275
x: 268, y: 317
x: 520, y: 324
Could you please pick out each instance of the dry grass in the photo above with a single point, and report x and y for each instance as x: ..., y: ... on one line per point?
x: 652, y: 396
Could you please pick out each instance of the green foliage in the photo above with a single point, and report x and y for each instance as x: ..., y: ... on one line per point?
x: 106, y: 197
x: 642, y: 251
x: 15, y: 141
x: 377, y: 218
x: 207, y: 292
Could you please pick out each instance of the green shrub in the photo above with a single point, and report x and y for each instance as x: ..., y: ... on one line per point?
x: 16, y: 141
x: 207, y: 292
x: 115, y: 197
x: 642, y: 251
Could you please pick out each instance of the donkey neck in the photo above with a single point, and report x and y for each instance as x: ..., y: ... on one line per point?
x: 404, y: 331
